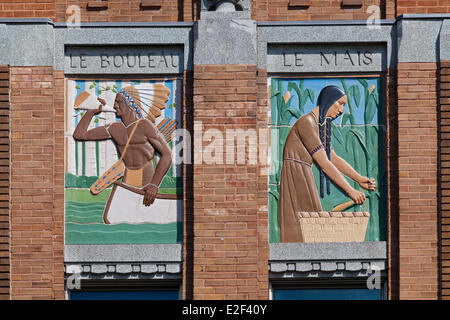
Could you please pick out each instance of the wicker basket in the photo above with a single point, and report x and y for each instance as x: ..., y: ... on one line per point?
x: 333, y: 226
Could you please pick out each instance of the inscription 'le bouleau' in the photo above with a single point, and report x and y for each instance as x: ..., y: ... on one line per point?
x: 136, y: 60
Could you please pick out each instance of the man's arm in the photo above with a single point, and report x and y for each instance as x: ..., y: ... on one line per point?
x: 158, y: 142
x: 82, y: 133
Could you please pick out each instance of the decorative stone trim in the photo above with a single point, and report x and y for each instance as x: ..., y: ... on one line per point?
x: 124, y: 270
x: 153, y: 261
x: 327, y: 260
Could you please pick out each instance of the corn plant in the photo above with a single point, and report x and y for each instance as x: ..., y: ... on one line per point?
x: 366, y: 139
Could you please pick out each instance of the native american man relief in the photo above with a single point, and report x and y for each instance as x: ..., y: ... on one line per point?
x: 122, y: 187
x: 327, y: 181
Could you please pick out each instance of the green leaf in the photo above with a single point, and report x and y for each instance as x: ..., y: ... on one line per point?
x: 96, y: 120
x: 310, y: 95
x: 337, y: 134
x: 293, y: 86
x: 77, y: 87
x: 295, y: 113
x: 275, y: 93
x: 108, y: 88
x: 94, y: 83
x: 360, y: 137
x: 356, y: 94
x: 91, y: 86
x: 274, y: 192
x: 99, y: 91
x: 364, y: 83
x: 371, y: 109
x: 115, y: 86
x: 345, y: 118
x: 114, y: 90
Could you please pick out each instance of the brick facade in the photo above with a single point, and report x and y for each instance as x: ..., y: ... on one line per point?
x: 444, y: 222
x: 288, y: 10
x: 422, y: 6
x: 227, y: 240
x: 28, y: 9
x: 417, y: 158
x: 37, y: 183
x: 4, y: 184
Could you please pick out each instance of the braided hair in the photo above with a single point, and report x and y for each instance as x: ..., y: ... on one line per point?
x: 327, y: 97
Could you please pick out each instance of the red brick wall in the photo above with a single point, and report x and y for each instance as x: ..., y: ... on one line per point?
x: 28, y: 9
x: 123, y: 11
x: 284, y: 10
x: 37, y: 184
x: 188, y: 231
x: 4, y: 184
x: 263, y: 168
x: 393, y: 184
x: 422, y: 6
x: 445, y: 177
x: 228, y: 241
x: 417, y: 136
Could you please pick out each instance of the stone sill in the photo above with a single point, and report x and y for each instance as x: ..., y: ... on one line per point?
x: 370, y: 250
x: 123, y: 253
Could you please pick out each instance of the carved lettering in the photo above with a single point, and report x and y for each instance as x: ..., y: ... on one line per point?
x: 285, y: 61
x: 83, y: 61
x: 104, y: 60
x: 118, y: 60
x: 299, y: 59
x: 174, y: 61
x: 128, y: 60
x: 367, y: 58
x: 139, y: 59
x: 163, y: 59
x: 347, y: 56
x: 71, y: 61
x: 322, y: 58
x: 151, y: 61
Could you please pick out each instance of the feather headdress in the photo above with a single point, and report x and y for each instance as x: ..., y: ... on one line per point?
x: 147, y: 102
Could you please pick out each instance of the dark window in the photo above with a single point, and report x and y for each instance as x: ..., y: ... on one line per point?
x: 126, y: 290
x: 125, y: 295
x: 327, y: 294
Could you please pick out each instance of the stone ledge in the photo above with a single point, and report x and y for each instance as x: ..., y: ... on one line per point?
x: 123, y: 253
x: 328, y: 251
x: 122, y: 268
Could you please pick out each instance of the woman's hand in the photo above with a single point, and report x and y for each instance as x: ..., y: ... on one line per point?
x: 357, y: 196
x: 368, y: 184
x: 151, y: 192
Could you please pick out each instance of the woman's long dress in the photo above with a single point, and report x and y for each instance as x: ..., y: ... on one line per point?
x: 298, y: 190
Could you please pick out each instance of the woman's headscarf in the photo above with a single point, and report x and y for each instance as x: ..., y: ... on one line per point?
x: 327, y: 97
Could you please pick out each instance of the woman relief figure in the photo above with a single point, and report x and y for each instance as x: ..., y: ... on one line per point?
x: 310, y: 140
x: 136, y: 139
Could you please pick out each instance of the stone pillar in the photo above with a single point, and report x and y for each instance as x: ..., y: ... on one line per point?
x: 418, y: 154
x: 227, y: 242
